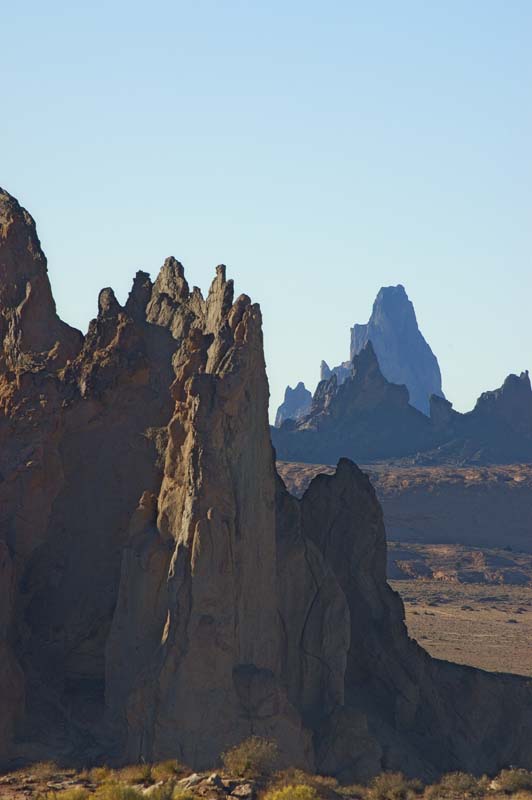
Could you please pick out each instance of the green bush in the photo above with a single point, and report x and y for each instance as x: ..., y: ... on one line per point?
x: 295, y: 792
x: 393, y: 786
x: 252, y: 758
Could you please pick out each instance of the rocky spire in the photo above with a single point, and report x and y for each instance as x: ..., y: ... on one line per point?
x: 296, y: 404
x: 30, y: 329
x: 403, y: 354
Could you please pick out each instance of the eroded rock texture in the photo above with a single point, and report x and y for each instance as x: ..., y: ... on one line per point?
x: 162, y: 593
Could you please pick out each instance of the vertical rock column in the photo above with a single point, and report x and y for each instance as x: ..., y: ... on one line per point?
x: 214, y: 659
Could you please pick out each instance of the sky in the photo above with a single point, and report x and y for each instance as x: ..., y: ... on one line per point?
x: 320, y: 150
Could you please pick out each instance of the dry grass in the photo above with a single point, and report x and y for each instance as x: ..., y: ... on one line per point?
x: 300, y: 791
x: 393, y: 786
x: 254, y: 758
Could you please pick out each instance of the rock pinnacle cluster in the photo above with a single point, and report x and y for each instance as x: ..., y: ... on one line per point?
x: 163, y: 595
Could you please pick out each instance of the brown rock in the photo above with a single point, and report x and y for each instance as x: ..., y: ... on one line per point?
x: 161, y: 589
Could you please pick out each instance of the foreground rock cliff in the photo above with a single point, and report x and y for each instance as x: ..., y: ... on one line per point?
x: 163, y: 595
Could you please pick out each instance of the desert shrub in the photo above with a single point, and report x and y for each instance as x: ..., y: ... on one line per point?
x: 457, y: 785
x: 134, y: 773
x: 74, y: 793
x: 325, y: 788
x: 511, y: 781
x: 117, y: 791
x: 182, y: 794
x: 252, y: 758
x: 100, y: 774
x: 166, y: 770
x: 300, y: 791
x: 393, y: 786
x: 43, y: 769
x: 165, y: 792
x: 352, y: 790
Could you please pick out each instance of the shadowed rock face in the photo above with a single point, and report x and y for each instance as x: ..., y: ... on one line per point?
x: 162, y: 593
x: 296, y: 404
x: 403, y: 355
x: 368, y: 419
x: 402, y: 352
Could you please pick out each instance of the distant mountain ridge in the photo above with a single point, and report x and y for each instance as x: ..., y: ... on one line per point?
x: 367, y: 418
x: 403, y: 354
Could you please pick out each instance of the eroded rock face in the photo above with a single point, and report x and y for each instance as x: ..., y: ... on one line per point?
x: 162, y: 593
x: 296, y: 404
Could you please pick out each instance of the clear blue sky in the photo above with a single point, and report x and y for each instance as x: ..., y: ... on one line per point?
x: 319, y: 149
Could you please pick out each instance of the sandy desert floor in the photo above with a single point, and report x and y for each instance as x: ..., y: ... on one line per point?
x: 484, y: 624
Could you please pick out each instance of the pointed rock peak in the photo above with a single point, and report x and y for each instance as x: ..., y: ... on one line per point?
x: 365, y: 360
x: 29, y: 325
x: 297, y: 403
x: 325, y: 371
x: 402, y: 352
x: 174, y: 266
x: 171, y: 280
x: 393, y: 302
x: 139, y: 296
x: 21, y: 257
x: 108, y: 305
x: 219, y: 299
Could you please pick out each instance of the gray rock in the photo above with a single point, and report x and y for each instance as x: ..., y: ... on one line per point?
x: 296, y: 404
x: 402, y: 352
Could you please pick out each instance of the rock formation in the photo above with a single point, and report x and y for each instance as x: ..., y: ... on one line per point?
x: 402, y: 352
x: 368, y: 419
x: 296, y: 404
x: 487, y: 506
x: 163, y: 595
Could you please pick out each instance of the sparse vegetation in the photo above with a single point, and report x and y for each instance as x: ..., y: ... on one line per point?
x: 117, y: 791
x: 457, y: 785
x: 77, y: 793
x: 393, y: 786
x: 135, y: 773
x: 293, y: 792
x: 511, y: 781
x: 250, y: 773
x: 100, y: 774
x: 253, y: 758
x: 168, y: 770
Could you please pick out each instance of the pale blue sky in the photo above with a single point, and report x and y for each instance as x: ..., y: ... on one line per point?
x: 320, y: 150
